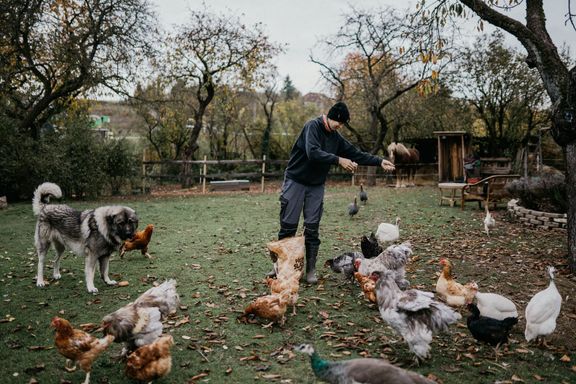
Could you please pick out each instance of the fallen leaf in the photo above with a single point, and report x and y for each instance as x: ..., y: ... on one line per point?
x: 123, y: 283
x: 565, y: 359
x: 516, y: 378
x: 271, y: 376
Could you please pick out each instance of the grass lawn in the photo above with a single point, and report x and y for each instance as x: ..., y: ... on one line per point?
x: 214, y: 245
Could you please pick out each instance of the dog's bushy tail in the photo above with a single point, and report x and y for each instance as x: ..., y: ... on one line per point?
x: 42, y: 196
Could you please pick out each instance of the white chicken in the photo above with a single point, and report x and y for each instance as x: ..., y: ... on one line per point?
x: 413, y: 314
x: 388, y: 232
x: 543, y: 310
x: 489, y: 222
x: 393, y: 258
x: 492, y: 305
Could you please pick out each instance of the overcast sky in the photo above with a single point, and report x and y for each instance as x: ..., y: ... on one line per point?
x: 301, y: 23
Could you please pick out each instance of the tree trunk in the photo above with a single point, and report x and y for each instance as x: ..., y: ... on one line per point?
x: 570, y: 150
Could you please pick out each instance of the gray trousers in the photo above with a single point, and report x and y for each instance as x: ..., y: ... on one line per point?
x: 295, y: 199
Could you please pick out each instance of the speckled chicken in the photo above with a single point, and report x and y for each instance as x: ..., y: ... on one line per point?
x: 393, y: 258
x: 78, y: 346
x: 360, y: 370
x: 413, y: 314
x: 151, y: 361
x: 140, y: 322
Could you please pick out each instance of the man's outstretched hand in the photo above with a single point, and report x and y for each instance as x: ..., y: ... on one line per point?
x: 347, y: 164
x: 387, y: 166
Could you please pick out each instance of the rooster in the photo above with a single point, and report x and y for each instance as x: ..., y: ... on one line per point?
x: 151, y: 361
x: 454, y: 293
x: 543, y: 310
x: 78, y: 346
x: 140, y: 322
x: 370, y: 247
x: 139, y: 241
x: 413, y: 314
x: 344, y: 263
x: 393, y: 258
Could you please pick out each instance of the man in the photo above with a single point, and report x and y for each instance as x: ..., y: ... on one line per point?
x: 318, y: 146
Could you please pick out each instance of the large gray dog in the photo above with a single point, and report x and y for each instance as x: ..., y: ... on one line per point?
x: 93, y: 233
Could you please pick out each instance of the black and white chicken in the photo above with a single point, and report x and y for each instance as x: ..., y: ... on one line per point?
x: 344, y: 264
x: 369, y: 246
x: 413, y: 314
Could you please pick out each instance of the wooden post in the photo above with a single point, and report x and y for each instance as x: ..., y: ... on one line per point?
x: 144, y: 171
x: 204, y: 173
x: 353, y: 175
x: 263, y: 170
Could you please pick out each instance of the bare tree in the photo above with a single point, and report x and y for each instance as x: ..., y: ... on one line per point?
x: 381, y: 65
x: 53, y: 51
x: 211, y: 49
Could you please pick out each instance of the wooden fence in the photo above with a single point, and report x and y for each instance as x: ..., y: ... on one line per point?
x: 427, y: 171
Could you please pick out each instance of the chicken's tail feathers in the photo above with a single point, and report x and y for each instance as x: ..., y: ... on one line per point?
x: 42, y: 196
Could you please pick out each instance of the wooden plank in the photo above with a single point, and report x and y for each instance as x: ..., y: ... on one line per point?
x: 230, y: 185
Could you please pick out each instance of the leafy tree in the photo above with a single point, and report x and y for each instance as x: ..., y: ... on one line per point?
x: 213, y: 49
x: 52, y: 50
x: 289, y: 91
x: 504, y: 92
x: 558, y: 78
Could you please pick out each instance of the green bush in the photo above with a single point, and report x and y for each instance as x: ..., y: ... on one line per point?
x: 544, y: 192
x: 83, y: 164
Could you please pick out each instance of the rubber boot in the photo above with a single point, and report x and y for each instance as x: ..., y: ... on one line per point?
x: 311, y: 255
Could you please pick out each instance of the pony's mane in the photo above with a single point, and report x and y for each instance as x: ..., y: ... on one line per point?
x: 398, y: 148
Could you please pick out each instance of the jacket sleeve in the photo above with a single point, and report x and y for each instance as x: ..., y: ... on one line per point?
x: 312, y: 145
x: 349, y: 151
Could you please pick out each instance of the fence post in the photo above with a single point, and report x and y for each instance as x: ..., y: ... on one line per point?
x: 144, y: 171
x: 263, y: 170
x: 353, y: 175
x: 204, y: 173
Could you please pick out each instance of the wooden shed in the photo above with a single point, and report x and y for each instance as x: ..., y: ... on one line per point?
x: 452, y: 149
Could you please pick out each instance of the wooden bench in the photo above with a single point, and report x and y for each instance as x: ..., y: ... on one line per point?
x: 230, y: 185
x: 491, y: 189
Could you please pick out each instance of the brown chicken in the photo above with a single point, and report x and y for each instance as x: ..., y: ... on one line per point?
x: 292, y: 285
x: 368, y: 285
x: 139, y: 241
x: 140, y: 322
x: 454, y: 293
x: 288, y: 256
x: 78, y: 346
x: 269, y: 307
x: 151, y: 361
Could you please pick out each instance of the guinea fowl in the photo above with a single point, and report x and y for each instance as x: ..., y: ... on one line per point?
x: 492, y: 304
x: 487, y: 329
x: 353, y: 208
x: 344, y: 263
x: 369, y: 246
x: 543, y: 310
x: 363, y: 195
x: 413, y: 314
x: 387, y: 232
x: 360, y: 370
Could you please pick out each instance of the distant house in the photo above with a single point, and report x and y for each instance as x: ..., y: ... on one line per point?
x: 100, y: 126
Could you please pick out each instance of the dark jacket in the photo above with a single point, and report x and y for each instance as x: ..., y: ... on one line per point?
x: 316, y: 150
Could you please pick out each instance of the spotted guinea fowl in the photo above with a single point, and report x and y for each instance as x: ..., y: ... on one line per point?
x: 369, y: 246
x: 487, y: 329
x: 344, y: 263
x: 543, y: 310
x: 360, y: 370
x: 363, y: 195
x: 353, y: 208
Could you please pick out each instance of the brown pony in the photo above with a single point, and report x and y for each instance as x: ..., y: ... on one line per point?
x: 406, y: 161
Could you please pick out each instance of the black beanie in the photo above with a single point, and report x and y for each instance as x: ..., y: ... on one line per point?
x: 339, y: 112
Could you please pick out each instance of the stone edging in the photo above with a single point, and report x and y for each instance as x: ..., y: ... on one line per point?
x: 545, y: 220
